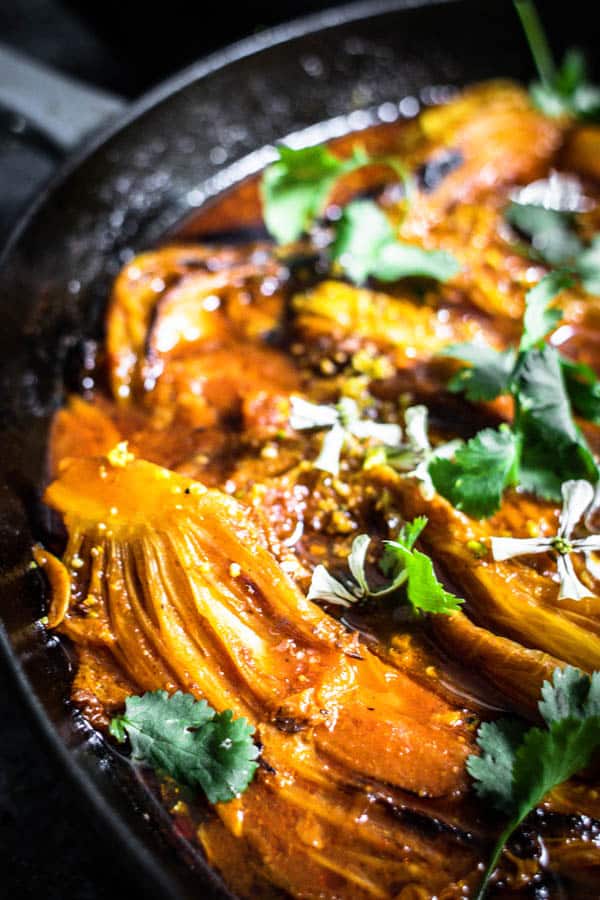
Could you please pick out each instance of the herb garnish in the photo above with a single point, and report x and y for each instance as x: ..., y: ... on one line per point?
x: 578, y: 496
x: 544, y: 447
x: 550, y: 231
x: 488, y: 375
x: 519, y: 766
x: 186, y: 739
x: 413, y: 457
x: 296, y: 187
x: 560, y: 91
x: 401, y: 564
x: 342, y: 422
x: 587, y: 266
x: 475, y: 479
x: 554, y: 241
x: 294, y: 193
x: 583, y: 389
x: 365, y: 244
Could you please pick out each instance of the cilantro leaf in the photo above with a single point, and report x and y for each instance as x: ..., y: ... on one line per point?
x: 540, y: 317
x: 423, y: 590
x: 489, y: 374
x: 493, y: 770
x: 410, y: 531
x: 550, y: 231
x: 365, y: 244
x: 548, y: 758
x: 186, y: 739
x: 407, y: 536
x: 570, y: 696
x: 295, y: 188
x: 547, y: 446
x: 553, y: 449
x: 588, y: 266
x: 569, y: 92
x: 480, y: 471
x: 294, y: 192
x: 583, y: 389
x: 556, y: 243
x: 560, y: 91
x: 518, y: 768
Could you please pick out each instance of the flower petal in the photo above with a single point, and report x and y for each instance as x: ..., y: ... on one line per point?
x: 324, y: 586
x: 311, y: 415
x: 348, y: 412
x: 592, y: 565
x: 421, y: 473
x: 329, y: 458
x: 563, y: 193
x: 356, y: 561
x: 577, y: 496
x: 447, y: 450
x: 583, y: 545
x: 415, y: 422
x: 506, y: 548
x: 570, y: 585
x: 390, y: 435
x: 592, y: 510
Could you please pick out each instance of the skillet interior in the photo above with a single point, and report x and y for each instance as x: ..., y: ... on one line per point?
x: 120, y: 198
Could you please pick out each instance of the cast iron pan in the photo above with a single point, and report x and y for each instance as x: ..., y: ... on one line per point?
x: 168, y: 154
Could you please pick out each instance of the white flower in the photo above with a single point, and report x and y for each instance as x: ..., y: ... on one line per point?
x: 414, y: 457
x: 577, y: 497
x: 324, y: 586
x: 341, y: 420
x: 560, y: 192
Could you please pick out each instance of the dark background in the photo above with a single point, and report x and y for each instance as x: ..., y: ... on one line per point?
x: 47, y: 847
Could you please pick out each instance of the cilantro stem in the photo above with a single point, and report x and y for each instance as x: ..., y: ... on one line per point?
x: 497, y: 853
x: 396, y: 583
x: 537, y: 40
x: 404, y: 175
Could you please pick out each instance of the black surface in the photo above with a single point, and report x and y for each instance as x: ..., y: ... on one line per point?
x: 47, y: 841
x: 49, y: 847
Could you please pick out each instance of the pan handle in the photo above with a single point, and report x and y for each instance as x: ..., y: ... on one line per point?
x: 61, y: 108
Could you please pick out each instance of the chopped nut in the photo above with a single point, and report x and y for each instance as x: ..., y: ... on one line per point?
x: 119, y: 456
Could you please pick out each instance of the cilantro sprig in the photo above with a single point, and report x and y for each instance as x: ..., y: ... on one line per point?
x: 365, y: 244
x: 518, y: 766
x: 401, y: 564
x: 488, y: 374
x: 544, y: 447
x: 555, y: 242
x: 553, y: 449
x: 583, y: 389
x: 550, y: 231
x: 186, y: 739
x: 475, y: 479
x: 562, y: 90
x: 295, y: 189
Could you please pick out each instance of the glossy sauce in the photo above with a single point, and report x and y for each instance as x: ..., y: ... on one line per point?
x: 205, y: 346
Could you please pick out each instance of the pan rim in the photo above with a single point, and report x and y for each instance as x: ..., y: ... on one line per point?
x: 245, y: 48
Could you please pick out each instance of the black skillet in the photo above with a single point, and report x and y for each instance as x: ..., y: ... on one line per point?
x: 166, y: 156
